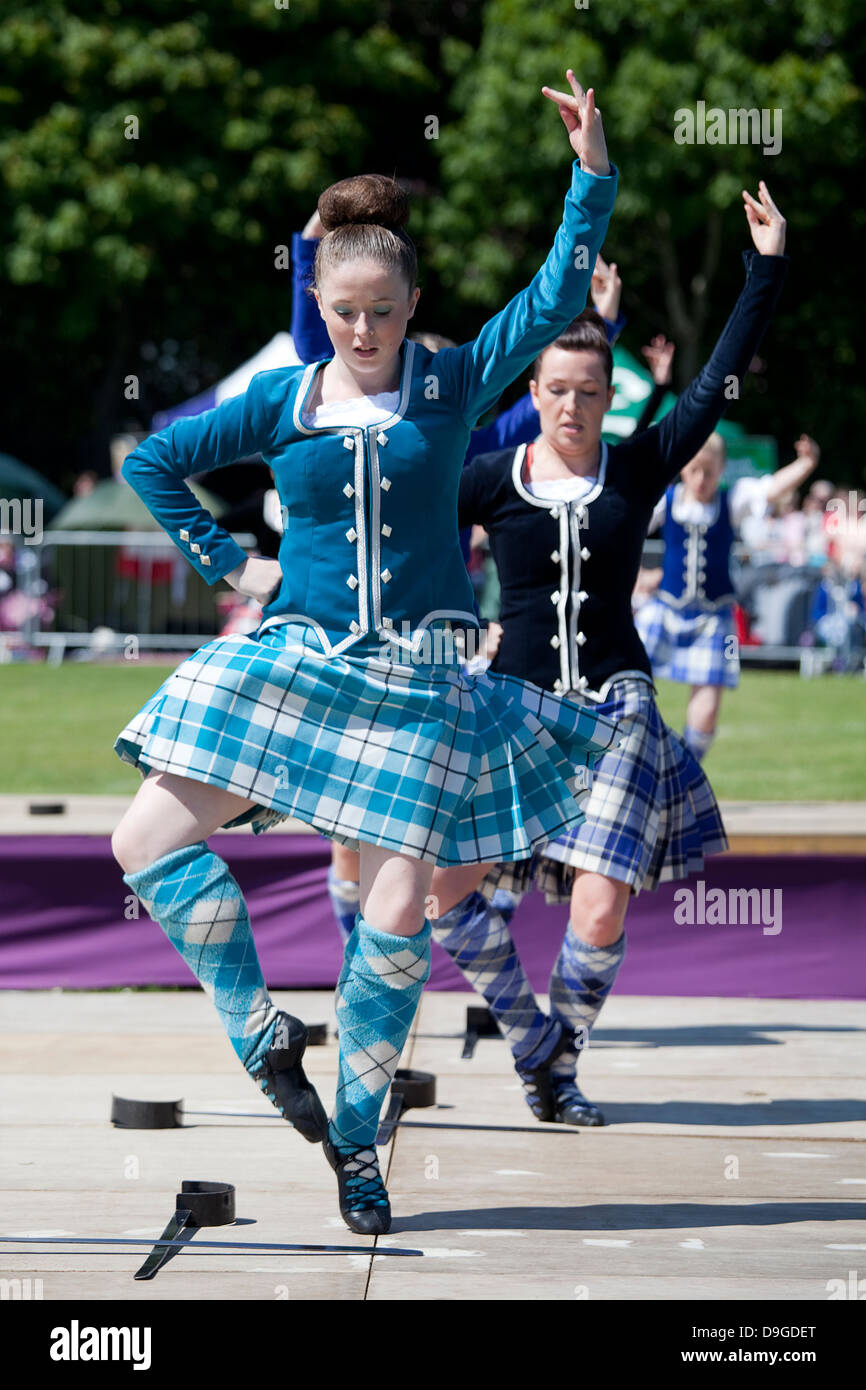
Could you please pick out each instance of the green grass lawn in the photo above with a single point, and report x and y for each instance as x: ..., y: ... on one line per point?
x: 781, y: 738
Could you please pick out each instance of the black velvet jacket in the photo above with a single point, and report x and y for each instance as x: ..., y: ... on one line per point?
x: 567, y: 569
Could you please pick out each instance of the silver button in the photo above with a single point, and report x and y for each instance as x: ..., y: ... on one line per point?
x: 196, y: 549
x: 385, y: 484
x: 554, y: 555
x: 351, y: 534
x: 348, y: 442
x: 580, y: 639
x: 581, y: 596
x: 386, y: 531
x: 184, y: 535
x: 554, y: 642
x: 585, y: 553
x: 387, y: 622
x: 354, y: 627
x: 352, y: 581
x: 554, y: 512
x: 386, y: 575
x: 348, y: 490
x: 381, y: 438
x: 557, y: 685
x: 581, y: 513
x: 582, y: 683
x: 554, y: 597
x: 205, y: 559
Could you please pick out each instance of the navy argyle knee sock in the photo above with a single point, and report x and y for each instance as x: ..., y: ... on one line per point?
x: 582, y: 978
x: 345, y: 897
x: 377, y: 995
x: 478, y: 941
x: 198, y: 903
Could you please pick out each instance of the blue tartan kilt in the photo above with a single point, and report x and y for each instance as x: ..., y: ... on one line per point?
x: 651, y: 815
x: 690, y: 644
x: 422, y: 759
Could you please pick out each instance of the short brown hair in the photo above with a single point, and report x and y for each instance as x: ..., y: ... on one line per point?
x: 586, y: 333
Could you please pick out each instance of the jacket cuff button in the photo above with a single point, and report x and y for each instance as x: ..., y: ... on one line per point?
x: 205, y: 559
x: 184, y: 535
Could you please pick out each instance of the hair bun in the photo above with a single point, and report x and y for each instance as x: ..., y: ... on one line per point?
x: 366, y: 198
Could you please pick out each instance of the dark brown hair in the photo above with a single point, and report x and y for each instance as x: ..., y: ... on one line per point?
x: 586, y: 333
x: 364, y: 219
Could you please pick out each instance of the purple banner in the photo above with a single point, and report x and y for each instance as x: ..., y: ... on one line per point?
x: 780, y: 927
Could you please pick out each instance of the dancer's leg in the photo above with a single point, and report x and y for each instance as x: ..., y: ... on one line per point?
x: 583, y: 976
x: 386, y: 963
x: 344, y: 878
x: 702, y: 718
x: 191, y: 893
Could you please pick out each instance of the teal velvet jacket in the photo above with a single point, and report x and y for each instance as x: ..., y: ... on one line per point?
x: 370, y: 548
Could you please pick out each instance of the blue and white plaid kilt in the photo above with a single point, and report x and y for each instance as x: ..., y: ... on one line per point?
x: 689, y: 644
x: 421, y: 759
x: 651, y: 815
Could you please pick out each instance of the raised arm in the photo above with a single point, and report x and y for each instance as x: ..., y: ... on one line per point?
x: 477, y: 372
x: 309, y: 334
x: 157, y: 467
x: 793, y: 474
x: 667, y: 447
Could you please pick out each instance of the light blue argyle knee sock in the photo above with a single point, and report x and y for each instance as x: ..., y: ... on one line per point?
x: 198, y: 903
x: 345, y: 898
x: 478, y: 941
x: 377, y: 995
x: 582, y: 978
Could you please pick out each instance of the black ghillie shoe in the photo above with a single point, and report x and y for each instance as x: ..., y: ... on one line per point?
x: 364, y: 1204
x: 537, y: 1082
x: 573, y: 1108
x: 282, y: 1078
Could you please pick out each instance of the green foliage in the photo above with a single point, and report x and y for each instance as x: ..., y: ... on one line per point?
x: 152, y: 159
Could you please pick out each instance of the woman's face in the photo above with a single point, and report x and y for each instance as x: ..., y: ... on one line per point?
x: 703, y: 473
x: 571, y: 395
x: 366, y: 309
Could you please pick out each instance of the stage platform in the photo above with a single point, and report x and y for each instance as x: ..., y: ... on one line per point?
x: 732, y: 1167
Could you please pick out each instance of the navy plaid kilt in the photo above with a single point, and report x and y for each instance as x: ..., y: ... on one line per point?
x: 422, y: 759
x: 651, y: 815
x: 689, y: 644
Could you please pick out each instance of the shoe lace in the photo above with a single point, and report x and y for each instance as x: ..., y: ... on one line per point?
x: 363, y: 1180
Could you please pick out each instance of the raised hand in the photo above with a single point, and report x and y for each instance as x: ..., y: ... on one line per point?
x: 806, y: 448
x: 583, y: 123
x: 659, y: 353
x: 606, y: 289
x: 314, y: 229
x: 766, y: 223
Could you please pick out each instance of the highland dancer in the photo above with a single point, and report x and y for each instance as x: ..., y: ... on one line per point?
x: 687, y: 625
x: 567, y: 517
x: 329, y: 711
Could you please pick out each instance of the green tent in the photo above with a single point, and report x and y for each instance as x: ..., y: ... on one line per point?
x: 747, y: 454
x: 18, y: 480
x: 114, y: 506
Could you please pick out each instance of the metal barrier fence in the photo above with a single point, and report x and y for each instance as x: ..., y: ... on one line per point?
x: 106, y: 587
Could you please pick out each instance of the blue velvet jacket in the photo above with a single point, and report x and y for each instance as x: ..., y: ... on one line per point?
x: 370, y: 543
